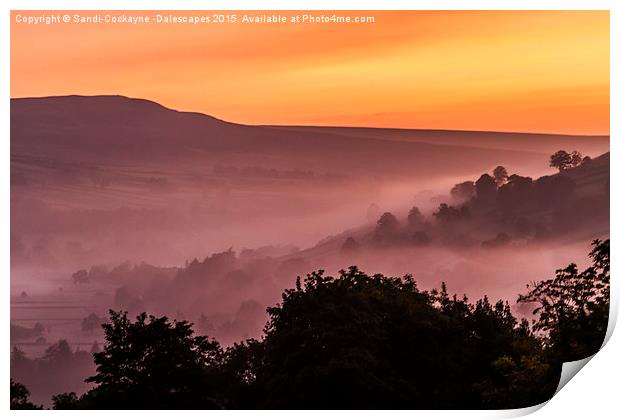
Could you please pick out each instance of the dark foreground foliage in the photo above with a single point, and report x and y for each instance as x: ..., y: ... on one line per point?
x: 358, y: 341
x: 19, y: 397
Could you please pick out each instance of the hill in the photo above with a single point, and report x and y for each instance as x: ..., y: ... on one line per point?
x: 91, y: 172
x: 531, y: 142
x: 118, y: 129
x: 579, y: 213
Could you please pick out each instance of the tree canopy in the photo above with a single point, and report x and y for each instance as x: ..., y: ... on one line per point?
x: 357, y: 341
x: 563, y: 160
x: 20, y: 397
x: 573, y: 307
x: 153, y: 363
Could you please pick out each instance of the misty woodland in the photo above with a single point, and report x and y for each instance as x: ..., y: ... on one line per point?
x: 252, y: 329
x: 297, y: 258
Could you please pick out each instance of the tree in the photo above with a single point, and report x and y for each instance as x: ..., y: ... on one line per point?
x: 154, y: 363
x: 59, y: 369
x: 573, y: 307
x: 241, y: 364
x: 447, y: 214
x: 80, y: 277
x: 91, y: 322
x: 575, y: 159
x: 563, y: 160
x: 500, y: 175
x: 355, y: 341
x: 517, y: 192
x: 415, y: 217
x: 350, y: 245
x: 361, y: 341
x: 486, y: 188
x: 387, y: 223
x: 555, y: 190
x: 20, y: 397
x: 66, y: 401
x: 386, y: 232
x: 513, y: 383
x: 59, y: 353
x: 464, y: 191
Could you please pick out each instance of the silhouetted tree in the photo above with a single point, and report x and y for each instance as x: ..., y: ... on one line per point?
x: 513, y: 383
x: 447, y: 214
x: 500, y: 175
x: 357, y: 341
x: 91, y: 322
x: 387, y: 223
x: 486, y: 188
x: 464, y: 191
x: 66, y: 401
x: 18, y: 332
x: 360, y: 341
x: 554, y: 191
x: 387, y: 230
x: 350, y: 245
x: 58, y: 353
x: 560, y: 160
x: 517, y: 192
x: 20, y: 397
x: 563, y: 160
x: 573, y: 307
x: 415, y: 217
x: 239, y: 368
x: 153, y: 363
x: 80, y: 277
x: 128, y: 299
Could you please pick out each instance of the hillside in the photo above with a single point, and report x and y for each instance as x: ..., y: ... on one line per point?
x: 104, y: 129
x: 90, y: 173
x: 532, y: 142
x: 584, y: 215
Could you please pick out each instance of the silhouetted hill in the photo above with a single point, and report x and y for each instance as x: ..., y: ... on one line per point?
x: 116, y: 128
x: 533, y: 142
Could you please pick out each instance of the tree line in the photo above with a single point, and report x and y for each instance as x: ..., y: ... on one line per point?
x: 357, y: 341
x: 507, y: 206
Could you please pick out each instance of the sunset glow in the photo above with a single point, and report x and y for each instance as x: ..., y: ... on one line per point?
x: 538, y: 71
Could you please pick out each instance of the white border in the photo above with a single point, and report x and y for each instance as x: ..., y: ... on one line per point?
x: 591, y: 395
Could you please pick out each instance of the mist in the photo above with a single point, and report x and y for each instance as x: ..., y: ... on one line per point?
x: 123, y: 204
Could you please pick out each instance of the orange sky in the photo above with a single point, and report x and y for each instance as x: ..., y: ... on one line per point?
x: 530, y: 71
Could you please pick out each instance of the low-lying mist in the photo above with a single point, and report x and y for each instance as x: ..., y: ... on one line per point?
x: 215, y: 233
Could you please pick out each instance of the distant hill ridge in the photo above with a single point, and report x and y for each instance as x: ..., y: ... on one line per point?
x: 103, y: 128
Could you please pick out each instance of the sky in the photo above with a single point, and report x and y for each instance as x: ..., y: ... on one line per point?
x: 520, y: 71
